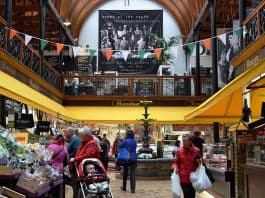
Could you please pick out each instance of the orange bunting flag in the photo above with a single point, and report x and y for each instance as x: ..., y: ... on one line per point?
x: 158, y: 52
x: 108, y: 54
x: 59, y: 47
x: 207, y: 43
x: 12, y: 34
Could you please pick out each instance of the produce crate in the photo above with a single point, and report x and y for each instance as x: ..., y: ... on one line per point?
x: 6, y: 170
x: 6, y: 192
x: 31, y: 185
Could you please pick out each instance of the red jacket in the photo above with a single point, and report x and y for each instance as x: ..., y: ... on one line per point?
x: 186, y: 162
x: 88, y: 149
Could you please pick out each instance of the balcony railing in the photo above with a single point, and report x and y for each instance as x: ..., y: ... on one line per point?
x: 103, y: 87
x: 255, y: 24
x: 28, y: 57
x: 134, y: 86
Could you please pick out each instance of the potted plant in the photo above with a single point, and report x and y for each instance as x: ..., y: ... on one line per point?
x: 166, y: 57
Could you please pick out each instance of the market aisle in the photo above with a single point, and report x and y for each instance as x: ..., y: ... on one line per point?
x: 144, y: 189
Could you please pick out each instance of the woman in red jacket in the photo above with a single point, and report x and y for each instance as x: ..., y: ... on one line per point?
x: 88, y: 147
x: 187, y: 160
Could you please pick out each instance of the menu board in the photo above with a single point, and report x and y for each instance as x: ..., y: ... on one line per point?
x: 145, y: 87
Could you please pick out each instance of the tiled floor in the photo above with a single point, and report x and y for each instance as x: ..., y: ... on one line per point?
x: 144, y: 189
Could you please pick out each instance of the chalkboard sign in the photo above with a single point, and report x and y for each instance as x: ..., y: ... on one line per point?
x: 83, y: 66
x: 182, y: 87
x: 145, y: 87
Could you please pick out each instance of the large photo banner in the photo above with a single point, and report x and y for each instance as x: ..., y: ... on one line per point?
x: 228, y: 46
x: 128, y: 38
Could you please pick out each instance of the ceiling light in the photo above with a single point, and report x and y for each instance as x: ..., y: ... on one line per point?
x: 67, y: 22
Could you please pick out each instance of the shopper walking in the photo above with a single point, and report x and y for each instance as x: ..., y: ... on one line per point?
x: 187, y: 160
x: 88, y: 149
x: 115, y: 149
x: 130, y: 144
x: 73, y: 141
x: 60, y: 154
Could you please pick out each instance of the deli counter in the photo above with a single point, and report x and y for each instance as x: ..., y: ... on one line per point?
x: 215, y: 158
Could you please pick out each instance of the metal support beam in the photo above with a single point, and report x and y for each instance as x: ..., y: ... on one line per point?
x: 202, y: 16
x: 8, y: 18
x: 61, y: 56
x: 43, y: 12
x: 216, y: 132
x: 214, y: 45
x: 242, y: 16
x: 198, y: 73
x: 67, y: 31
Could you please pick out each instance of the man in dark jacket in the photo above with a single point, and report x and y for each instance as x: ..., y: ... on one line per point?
x: 73, y: 141
x: 131, y: 145
x: 198, y: 141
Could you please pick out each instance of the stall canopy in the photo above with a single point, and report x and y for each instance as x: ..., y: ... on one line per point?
x: 226, y: 105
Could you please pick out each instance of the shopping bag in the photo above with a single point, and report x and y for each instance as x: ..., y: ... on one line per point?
x: 176, y: 190
x: 199, y: 179
x: 123, y: 157
x: 209, y: 174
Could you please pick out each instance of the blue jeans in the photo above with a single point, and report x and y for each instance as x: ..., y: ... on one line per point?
x: 132, y: 167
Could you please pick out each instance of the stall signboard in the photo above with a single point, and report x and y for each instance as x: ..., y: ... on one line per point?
x: 192, y: 127
x: 126, y: 33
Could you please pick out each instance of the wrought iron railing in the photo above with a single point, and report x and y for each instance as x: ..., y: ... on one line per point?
x: 143, y: 86
x: 28, y: 57
x: 255, y: 24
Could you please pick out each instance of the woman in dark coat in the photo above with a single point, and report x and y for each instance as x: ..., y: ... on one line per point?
x: 131, y: 144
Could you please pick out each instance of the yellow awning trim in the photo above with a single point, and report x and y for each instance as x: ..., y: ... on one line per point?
x: 227, y: 103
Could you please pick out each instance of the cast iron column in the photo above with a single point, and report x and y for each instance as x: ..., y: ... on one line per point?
x: 43, y: 11
x: 213, y: 45
x: 8, y: 18
x: 242, y: 16
x: 198, y: 72
x: 61, y: 57
x: 216, y: 132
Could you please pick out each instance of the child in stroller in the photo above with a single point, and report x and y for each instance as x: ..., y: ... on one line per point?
x: 93, y: 178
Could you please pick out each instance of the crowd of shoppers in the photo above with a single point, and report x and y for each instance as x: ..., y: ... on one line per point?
x: 87, y: 143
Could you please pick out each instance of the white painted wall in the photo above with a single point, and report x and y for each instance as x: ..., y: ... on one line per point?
x: 89, y: 31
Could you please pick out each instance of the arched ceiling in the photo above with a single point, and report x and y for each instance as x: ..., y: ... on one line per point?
x: 77, y: 11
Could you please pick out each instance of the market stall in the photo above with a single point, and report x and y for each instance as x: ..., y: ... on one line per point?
x: 25, y: 169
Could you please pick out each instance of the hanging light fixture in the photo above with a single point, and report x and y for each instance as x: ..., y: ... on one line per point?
x: 67, y: 22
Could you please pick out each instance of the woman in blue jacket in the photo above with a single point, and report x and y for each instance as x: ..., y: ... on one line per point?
x: 130, y: 144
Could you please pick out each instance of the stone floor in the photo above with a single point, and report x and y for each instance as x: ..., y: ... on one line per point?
x: 144, y: 189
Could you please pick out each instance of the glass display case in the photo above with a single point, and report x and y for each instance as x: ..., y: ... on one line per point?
x: 256, y: 152
x: 214, y: 155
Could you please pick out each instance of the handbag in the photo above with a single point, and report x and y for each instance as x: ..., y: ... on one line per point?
x: 123, y: 156
x: 23, y: 120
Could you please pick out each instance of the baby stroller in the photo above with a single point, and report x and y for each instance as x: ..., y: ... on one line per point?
x: 95, y: 183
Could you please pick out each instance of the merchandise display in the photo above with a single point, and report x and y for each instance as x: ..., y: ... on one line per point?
x: 214, y: 155
x: 30, y: 164
x: 256, y: 152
